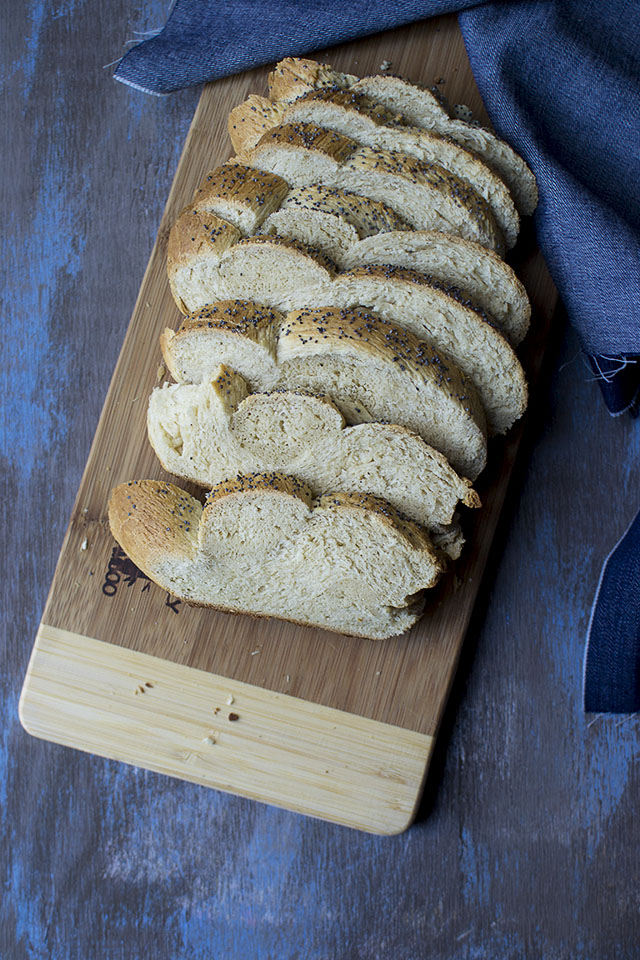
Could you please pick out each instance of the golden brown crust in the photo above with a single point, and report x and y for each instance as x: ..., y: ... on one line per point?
x: 230, y: 388
x: 199, y: 233
x: 235, y: 189
x: 293, y: 76
x: 152, y: 519
x: 251, y: 119
x: 270, y: 482
x: 311, y: 137
x: 245, y: 317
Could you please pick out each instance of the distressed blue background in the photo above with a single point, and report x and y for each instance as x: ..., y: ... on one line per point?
x: 528, y: 842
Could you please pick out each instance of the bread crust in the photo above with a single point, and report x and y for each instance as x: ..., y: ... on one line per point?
x: 309, y: 136
x: 294, y: 76
x: 251, y: 118
x: 242, y: 195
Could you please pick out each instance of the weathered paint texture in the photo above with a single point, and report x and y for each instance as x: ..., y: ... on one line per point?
x: 528, y: 846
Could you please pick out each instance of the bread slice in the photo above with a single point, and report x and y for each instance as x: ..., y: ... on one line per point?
x: 197, y: 242
x: 487, y: 279
x: 264, y: 268
x: 372, y: 125
x: 445, y: 317
x: 370, y: 368
x: 425, y: 195
x: 331, y: 220
x: 241, y: 195
x: 295, y: 77
x: 348, y: 563
x: 208, y: 432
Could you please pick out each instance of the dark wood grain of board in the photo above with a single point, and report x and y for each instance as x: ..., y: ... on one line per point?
x: 531, y: 844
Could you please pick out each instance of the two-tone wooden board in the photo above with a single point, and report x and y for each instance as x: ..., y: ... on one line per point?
x: 334, y: 727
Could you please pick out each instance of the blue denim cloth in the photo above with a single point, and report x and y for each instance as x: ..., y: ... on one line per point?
x: 612, y: 661
x: 561, y: 82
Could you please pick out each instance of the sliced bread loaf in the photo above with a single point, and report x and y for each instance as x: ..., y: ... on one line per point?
x: 211, y: 431
x: 345, y: 562
x: 370, y: 368
x: 440, y: 314
x: 425, y: 195
x: 479, y: 272
x: 372, y: 125
x: 295, y: 77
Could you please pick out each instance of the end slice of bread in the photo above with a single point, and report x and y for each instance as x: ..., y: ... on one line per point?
x: 262, y: 546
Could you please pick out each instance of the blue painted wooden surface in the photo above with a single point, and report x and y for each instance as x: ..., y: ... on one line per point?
x: 527, y: 844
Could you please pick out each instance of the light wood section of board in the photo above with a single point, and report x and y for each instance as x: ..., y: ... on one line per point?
x: 221, y: 733
x: 338, y: 727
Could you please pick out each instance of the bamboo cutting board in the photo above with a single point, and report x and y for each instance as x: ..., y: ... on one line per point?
x: 338, y: 728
